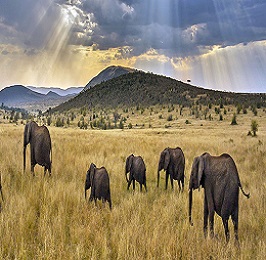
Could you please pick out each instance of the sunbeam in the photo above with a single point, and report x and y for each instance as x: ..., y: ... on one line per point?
x: 215, y: 44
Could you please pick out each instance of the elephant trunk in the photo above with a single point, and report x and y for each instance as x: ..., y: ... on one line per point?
x: 158, y: 178
x: 24, y: 158
x: 127, y: 178
x: 1, y: 193
x: 190, y: 207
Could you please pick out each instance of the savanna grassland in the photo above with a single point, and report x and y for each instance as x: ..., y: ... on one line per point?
x: 48, y: 217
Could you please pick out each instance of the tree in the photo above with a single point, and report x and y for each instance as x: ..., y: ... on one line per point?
x: 254, y: 127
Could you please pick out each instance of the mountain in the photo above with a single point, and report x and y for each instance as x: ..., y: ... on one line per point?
x: 23, y: 97
x: 146, y: 89
x: 18, y: 94
x: 59, y: 91
x: 107, y: 74
x: 52, y: 94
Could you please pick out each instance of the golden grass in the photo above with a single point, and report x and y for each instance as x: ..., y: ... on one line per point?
x: 48, y: 218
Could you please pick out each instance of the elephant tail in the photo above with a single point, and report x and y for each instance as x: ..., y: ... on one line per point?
x: 246, y: 194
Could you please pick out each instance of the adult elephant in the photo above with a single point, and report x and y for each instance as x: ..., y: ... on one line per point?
x: 40, y: 146
x: 172, y: 160
x: 98, y: 180
x: 137, y: 171
x: 218, y: 176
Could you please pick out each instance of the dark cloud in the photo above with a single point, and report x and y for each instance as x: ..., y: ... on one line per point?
x: 176, y: 28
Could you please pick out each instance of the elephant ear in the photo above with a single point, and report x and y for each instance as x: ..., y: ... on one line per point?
x: 92, y: 172
x: 201, y: 167
x: 129, y: 162
x: 166, y: 159
x: 27, y: 132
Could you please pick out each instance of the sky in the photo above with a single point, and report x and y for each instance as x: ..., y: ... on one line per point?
x: 216, y: 44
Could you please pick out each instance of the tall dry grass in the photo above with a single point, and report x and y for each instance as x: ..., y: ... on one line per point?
x: 48, y: 218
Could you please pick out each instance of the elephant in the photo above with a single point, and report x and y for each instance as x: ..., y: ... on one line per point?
x: 172, y: 160
x: 219, y: 177
x: 40, y: 146
x: 137, y: 171
x: 98, y: 180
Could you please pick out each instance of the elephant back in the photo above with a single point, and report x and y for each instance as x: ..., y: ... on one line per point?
x: 178, y: 163
x: 101, y: 183
x: 139, y: 169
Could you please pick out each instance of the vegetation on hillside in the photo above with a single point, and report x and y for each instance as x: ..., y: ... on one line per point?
x: 147, y: 89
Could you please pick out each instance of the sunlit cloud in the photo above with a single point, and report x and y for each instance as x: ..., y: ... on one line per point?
x: 216, y: 44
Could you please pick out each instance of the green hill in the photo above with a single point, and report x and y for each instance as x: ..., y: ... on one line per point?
x: 146, y: 89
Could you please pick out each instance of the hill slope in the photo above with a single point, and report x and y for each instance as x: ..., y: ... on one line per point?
x: 18, y: 94
x: 107, y: 74
x: 145, y: 89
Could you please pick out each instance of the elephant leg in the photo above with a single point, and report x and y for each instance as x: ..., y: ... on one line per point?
x: 140, y: 186
x: 172, y: 181
x: 179, y: 186
x: 128, y: 185
x: 32, y: 169
x: 211, y: 219
x: 206, y: 214
x: 226, y: 229
x: 210, y: 204
x: 134, y: 184
x: 182, y: 182
x: 235, y: 223
x: 145, y: 186
x: 166, y: 180
x: 45, y: 170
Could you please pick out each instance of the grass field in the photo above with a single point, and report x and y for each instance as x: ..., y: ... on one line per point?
x: 48, y: 218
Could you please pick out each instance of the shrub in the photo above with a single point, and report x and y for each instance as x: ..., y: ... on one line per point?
x: 170, y: 117
x: 254, y: 127
x: 233, y: 122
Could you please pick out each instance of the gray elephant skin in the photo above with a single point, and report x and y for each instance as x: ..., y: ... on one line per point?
x: 136, y: 168
x: 40, y: 146
x: 219, y: 177
x: 98, y: 180
x: 172, y: 160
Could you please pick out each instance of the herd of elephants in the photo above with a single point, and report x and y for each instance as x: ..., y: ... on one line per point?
x: 217, y: 175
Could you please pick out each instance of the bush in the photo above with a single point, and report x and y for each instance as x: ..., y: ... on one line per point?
x: 170, y: 117
x: 233, y: 122
x: 254, y: 127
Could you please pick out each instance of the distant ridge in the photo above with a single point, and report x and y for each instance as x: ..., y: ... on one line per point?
x: 59, y: 91
x: 22, y: 97
x: 147, y: 89
x: 107, y: 74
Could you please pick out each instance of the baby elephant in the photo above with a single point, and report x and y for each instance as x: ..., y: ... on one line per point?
x: 98, y: 180
x: 137, y: 171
